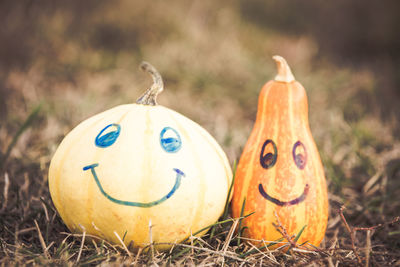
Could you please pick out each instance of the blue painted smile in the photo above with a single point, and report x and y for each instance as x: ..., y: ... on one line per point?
x: 179, y: 175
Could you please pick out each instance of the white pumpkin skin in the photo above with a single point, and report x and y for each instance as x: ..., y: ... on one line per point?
x: 185, y: 190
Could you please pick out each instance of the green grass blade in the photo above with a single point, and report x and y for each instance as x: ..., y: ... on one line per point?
x: 215, y: 224
x: 240, y: 222
x: 208, y: 227
x: 394, y: 233
x: 212, y: 232
x: 305, y: 242
x: 27, y: 123
x: 123, y: 238
x: 297, y: 236
x: 183, y: 251
x: 226, y: 209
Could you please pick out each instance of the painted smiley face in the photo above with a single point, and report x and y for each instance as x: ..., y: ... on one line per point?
x: 267, y: 161
x: 170, y: 141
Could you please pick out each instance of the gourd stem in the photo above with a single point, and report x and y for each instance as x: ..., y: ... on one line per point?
x: 150, y: 96
x: 284, y: 72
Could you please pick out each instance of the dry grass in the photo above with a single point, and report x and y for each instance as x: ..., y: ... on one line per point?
x: 214, y: 62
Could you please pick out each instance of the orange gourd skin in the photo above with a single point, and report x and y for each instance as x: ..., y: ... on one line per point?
x: 300, y: 195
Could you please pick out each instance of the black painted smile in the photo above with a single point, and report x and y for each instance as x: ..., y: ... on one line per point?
x: 284, y: 203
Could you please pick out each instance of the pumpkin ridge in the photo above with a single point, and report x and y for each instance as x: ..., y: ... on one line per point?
x: 96, y: 157
x: 322, y: 206
x: 293, y: 223
x: 145, y: 183
x: 197, y: 162
x: 296, y: 223
x: 57, y: 175
x: 217, y: 150
x: 254, y: 180
x: 278, y: 121
x: 310, y: 230
x: 273, y: 172
x: 291, y: 111
x: 141, y: 231
x: 214, y: 143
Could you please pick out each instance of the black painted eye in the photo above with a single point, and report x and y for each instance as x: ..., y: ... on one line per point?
x: 108, y: 135
x: 299, y: 155
x: 269, y: 154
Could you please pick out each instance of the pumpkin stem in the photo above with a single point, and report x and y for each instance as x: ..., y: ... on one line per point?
x: 150, y: 96
x: 284, y: 72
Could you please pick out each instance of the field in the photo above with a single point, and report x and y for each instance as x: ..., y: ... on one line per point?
x: 61, y: 63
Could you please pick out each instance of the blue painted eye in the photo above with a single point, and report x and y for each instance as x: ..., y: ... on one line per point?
x: 170, y: 140
x: 109, y: 138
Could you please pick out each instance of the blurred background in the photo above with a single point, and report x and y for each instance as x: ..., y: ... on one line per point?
x: 77, y: 58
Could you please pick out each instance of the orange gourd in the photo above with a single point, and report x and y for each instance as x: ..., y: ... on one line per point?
x: 280, y: 176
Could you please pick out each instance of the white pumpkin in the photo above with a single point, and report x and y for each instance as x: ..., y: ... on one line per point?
x: 139, y: 163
